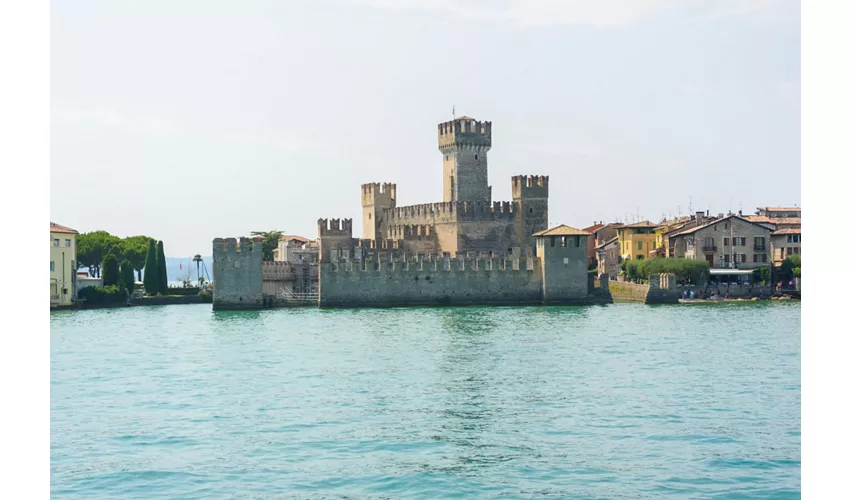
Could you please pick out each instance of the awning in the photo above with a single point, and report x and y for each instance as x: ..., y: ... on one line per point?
x: 729, y: 272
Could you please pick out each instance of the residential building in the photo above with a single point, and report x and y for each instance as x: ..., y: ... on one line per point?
x: 784, y: 243
x: 599, y: 234
x: 728, y: 242
x: 637, y: 241
x: 608, y: 255
x: 787, y: 228
x: 779, y: 213
x: 63, y: 264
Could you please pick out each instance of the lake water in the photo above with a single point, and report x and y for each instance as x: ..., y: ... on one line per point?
x: 618, y: 401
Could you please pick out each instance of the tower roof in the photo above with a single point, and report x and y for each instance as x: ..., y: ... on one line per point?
x: 562, y: 230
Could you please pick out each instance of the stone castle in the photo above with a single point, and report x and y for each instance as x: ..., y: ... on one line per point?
x: 466, y: 249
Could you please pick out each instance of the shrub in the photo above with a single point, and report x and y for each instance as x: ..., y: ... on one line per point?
x: 687, y: 270
x: 128, y: 277
x: 181, y: 291
x: 112, y: 294
x: 765, y: 274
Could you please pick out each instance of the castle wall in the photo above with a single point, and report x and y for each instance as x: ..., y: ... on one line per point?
x: 238, y: 274
x: 438, y: 282
x: 493, y: 235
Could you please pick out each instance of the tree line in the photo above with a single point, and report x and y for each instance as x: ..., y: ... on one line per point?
x: 121, y: 259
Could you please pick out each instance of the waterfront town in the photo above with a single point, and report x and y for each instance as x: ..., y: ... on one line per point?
x: 478, y: 252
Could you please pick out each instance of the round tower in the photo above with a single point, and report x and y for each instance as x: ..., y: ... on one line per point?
x: 464, y: 143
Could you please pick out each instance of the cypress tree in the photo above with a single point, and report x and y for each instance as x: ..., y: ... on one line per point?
x: 127, y: 276
x: 111, y: 273
x: 162, y: 278
x: 151, y: 280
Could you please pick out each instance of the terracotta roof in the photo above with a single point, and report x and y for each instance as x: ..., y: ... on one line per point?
x: 288, y: 237
x: 603, y: 245
x: 779, y: 221
x: 645, y: 223
x: 787, y: 230
x: 562, y: 230
x: 593, y: 228
x: 780, y: 209
x: 59, y: 228
x: 760, y: 218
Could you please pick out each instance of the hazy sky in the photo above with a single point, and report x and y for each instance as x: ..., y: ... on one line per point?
x: 188, y: 120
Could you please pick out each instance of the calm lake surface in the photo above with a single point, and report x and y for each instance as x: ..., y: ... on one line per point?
x: 618, y: 401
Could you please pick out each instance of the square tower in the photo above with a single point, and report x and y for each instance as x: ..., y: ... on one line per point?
x: 562, y: 252
x: 464, y: 143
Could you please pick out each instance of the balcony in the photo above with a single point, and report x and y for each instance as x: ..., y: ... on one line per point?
x: 709, y: 247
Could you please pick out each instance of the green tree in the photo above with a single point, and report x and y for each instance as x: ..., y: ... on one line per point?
x: 162, y: 278
x: 786, y: 270
x: 93, y: 247
x: 270, y: 240
x: 111, y: 272
x: 765, y: 274
x: 136, y: 251
x: 151, y: 279
x: 128, y: 277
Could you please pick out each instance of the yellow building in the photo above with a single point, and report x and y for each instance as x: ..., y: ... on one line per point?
x: 63, y: 264
x: 638, y: 241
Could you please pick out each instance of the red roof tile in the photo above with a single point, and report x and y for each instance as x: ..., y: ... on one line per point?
x: 59, y: 228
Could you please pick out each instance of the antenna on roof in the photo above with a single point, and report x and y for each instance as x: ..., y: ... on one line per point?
x: 453, y: 111
x: 690, y: 206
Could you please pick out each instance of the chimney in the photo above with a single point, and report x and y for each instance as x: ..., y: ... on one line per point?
x: 740, y: 213
x: 699, y: 217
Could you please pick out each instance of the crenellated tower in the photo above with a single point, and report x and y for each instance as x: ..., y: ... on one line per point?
x: 531, y: 196
x: 464, y: 143
x: 376, y: 198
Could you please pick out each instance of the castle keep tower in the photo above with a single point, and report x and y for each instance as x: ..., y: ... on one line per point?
x: 376, y: 198
x: 464, y: 143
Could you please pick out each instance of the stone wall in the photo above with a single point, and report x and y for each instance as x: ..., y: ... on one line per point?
x: 438, y: 282
x: 622, y: 291
x: 238, y: 274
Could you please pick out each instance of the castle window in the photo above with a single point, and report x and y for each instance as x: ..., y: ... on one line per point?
x: 447, y: 157
x: 370, y: 216
x: 531, y: 210
x: 563, y: 241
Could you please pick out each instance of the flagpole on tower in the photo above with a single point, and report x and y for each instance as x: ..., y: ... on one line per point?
x: 453, y: 111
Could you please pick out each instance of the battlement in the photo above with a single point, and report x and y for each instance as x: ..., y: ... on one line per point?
x: 375, y: 193
x: 237, y: 245
x: 335, y: 227
x: 530, y: 186
x: 415, y: 265
x: 464, y: 133
x: 410, y: 232
x: 450, y: 211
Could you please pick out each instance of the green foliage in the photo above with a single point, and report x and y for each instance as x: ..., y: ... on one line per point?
x: 786, y: 270
x: 687, y: 270
x: 93, y: 247
x: 795, y: 259
x: 765, y: 274
x: 136, y: 251
x: 270, y: 242
x: 111, y: 272
x: 162, y: 276
x: 796, y: 272
x: 151, y: 280
x: 101, y: 296
x: 128, y: 277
